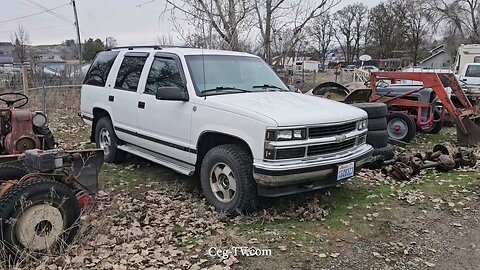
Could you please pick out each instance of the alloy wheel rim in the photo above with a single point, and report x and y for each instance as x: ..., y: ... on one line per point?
x: 223, y: 183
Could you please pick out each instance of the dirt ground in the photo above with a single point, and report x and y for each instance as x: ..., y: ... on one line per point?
x: 149, y: 217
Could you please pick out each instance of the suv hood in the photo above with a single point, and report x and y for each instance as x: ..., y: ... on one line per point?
x: 287, y: 108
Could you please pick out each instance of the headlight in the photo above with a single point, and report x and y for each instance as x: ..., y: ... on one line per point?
x: 39, y: 120
x: 286, y: 134
x: 361, y: 125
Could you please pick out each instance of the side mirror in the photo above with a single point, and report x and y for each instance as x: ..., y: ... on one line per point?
x: 463, y: 80
x: 172, y: 93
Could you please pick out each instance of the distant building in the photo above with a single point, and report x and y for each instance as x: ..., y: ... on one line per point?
x: 439, y: 58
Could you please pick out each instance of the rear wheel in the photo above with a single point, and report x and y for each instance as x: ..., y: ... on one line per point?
x: 106, y: 139
x: 38, y: 215
x: 11, y: 172
x: 227, y: 179
x: 437, y: 126
x: 401, y: 127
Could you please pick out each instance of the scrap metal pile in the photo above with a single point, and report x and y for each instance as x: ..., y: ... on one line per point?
x: 442, y: 158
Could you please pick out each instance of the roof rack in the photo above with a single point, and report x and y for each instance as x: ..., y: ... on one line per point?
x: 155, y: 47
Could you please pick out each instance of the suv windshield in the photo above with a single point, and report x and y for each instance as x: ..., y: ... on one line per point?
x: 226, y: 74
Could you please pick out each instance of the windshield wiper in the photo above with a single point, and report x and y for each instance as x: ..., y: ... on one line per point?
x: 269, y: 86
x: 221, y: 88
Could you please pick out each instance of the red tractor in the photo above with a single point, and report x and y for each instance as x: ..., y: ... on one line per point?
x: 22, y: 129
x: 42, y: 189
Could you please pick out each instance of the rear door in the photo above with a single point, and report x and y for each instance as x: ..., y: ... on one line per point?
x: 164, y: 125
x: 124, y: 95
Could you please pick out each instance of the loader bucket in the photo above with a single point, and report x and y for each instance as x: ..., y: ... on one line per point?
x: 472, y: 136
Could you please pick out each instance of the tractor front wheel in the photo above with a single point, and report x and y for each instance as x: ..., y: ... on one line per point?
x: 401, y: 127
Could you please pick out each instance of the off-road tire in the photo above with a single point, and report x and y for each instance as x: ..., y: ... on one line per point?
x: 375, y: 124
x: 31, y: 193
x: 240, y: 161
x: 115, y: 155
x: 388, y: 152
x: 11, y: 172
x: 48, y: 141
x: 373, y: 109
x: 378, y: 138
x: 411, y: 125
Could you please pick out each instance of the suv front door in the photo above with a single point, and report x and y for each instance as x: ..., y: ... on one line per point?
x: 164, y: 125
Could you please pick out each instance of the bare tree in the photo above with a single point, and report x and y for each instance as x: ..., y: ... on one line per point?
x: 21, y: 40
x: 267, y: 11
x: 165, y: 40
x: 387, y: 27
x: 462, y: 16
x: 417, y: 28
x: 350, y: 27
x: 322, y: 32
x: 228, y: 18
x: 110, y: 42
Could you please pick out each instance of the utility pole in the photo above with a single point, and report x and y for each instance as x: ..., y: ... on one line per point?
x: 78, y: 32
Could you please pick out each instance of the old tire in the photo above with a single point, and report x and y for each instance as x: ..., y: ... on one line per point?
x: 106, y: 139
x: 377, y: 139
x: 375, y: 124
x: 51, y: 210
x: 401, y: 127
x: 388, y: 152
x: 227, y: 179
x: 373, y: 109
x: 11, y: 172
x: 48, y: 141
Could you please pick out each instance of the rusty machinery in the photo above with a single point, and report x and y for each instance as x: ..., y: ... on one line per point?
x: 442, y: 158
x: 42, y: 195
x: 468, y: 132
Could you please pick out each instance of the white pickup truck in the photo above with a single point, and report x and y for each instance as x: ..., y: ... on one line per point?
x: 470, y: 75
x: 225, y: 115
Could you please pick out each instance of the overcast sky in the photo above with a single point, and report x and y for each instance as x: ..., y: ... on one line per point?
x: 121, y: 19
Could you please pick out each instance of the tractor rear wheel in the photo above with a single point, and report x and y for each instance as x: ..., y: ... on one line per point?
x: 48, y: 141
x: 37, y: 216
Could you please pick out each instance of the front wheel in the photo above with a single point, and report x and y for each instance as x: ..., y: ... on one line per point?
x: 106, y: 139
x: 226, y: 177
x: 37, y: 216
x: 401, y: 127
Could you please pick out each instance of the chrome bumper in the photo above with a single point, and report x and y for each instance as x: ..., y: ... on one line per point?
x: 278, y: 174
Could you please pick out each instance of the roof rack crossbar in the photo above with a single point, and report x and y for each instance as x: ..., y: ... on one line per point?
x: 155, y: 47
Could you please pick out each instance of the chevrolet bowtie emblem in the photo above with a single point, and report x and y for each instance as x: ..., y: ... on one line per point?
x: 340, y: 138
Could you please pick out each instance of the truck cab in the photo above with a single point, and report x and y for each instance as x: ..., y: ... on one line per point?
x: 470, y: 75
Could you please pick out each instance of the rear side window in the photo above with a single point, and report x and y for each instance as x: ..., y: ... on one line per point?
x: 98, y: 72
x: 473, y: 71
x: 130, y: 72
x: 164, y: 73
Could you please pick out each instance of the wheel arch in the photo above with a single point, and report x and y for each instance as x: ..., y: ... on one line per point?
x: 209, y: 139
x: 98, y: 113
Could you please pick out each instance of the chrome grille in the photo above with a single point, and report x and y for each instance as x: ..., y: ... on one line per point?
x: 317, y: 132
x: 329, y: 148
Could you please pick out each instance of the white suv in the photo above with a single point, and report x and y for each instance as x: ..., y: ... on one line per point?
x: 225, y: 115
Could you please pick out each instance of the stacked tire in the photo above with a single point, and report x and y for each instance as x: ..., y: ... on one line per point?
x: 377, y: 135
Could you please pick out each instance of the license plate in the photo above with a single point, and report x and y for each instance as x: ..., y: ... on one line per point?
x: 346, y: 171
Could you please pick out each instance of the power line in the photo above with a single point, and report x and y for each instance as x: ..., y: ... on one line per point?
x: 34, y: 14
x: 61, y: 17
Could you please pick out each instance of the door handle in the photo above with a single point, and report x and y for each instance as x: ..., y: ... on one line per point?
x: 141, y: 105
x: 111, y: 98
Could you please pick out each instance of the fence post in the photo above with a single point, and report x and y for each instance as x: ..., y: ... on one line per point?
x: 44, y: 98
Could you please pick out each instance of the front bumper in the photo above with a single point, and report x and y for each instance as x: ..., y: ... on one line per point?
x: 277, y: 179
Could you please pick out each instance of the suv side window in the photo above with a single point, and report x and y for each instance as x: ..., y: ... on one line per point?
x: 164, y: 73
x: 98, y: 72
x: 129, y: 73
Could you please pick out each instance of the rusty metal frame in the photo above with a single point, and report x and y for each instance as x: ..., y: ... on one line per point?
x: 435, y: 81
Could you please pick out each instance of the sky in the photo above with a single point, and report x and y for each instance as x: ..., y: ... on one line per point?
x: 125, y: 20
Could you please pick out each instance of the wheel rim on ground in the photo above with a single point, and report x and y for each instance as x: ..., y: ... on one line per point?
x: 104, y: 141
x: 397, y: 129
x: 223, y: 183
x: 39, y: 227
